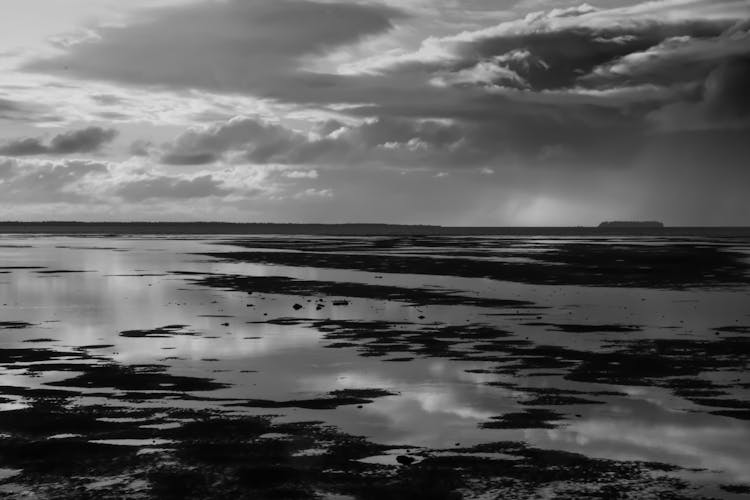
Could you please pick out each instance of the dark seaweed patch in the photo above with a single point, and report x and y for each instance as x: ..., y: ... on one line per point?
x: 333, y: 400
x: 161, y: 332
x: 63, y: 271
x: 137, y: 378
x: 527, y: 419
x: 14, y: 325
x: 571, y: 328
x: 19, y: 356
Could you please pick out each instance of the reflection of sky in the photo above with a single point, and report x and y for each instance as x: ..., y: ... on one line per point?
x: 438, y: 403
x: 638, y: 430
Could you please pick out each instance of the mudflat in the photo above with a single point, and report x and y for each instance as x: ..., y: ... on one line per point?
x: 576, y: 365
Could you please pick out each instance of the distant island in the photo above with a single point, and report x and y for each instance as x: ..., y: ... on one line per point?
x: 631, y: 224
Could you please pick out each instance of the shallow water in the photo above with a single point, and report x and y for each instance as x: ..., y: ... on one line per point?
x: 285, y: 353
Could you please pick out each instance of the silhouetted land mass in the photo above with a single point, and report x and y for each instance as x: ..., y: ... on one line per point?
x: 632, y: 224
x: 120, y: 228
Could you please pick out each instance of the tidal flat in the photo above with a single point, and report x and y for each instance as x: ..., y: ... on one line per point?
x: 372, y: 367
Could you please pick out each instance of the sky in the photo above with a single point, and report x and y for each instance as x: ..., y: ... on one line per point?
x: 452, y: 112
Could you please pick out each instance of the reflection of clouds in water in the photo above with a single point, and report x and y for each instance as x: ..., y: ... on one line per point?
x: 434, y: 414
x: 479, y: 380
x: 688, y: 442
x: 448, y: 394
x: 437, y: 400
x: 226, y: 347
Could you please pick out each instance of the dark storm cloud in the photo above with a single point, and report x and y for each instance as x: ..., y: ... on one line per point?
x: 87, y: 140
x: 164, y: 187
x: 188, y: 158
x: 720, y: 102
x: 727, y: 89
x: 559, y: 58
x: 673, y: 61
x: 236, y: 45
x: 262, y: 48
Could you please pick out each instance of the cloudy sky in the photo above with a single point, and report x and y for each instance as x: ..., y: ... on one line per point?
x: 456, y: 112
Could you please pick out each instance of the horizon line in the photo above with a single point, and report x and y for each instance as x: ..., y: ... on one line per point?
x: 388, y: 224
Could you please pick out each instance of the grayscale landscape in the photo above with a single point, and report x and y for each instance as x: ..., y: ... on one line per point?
x: 374, y: 249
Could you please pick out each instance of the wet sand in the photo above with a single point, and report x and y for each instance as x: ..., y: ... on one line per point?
x: 374, y: 367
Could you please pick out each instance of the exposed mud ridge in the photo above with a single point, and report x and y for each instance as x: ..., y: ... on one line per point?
x: 333, y: 400
x: 19, y: 358
x: 290, y: 286
x: 14, y: 325
x: 527, y: 419
x: 134, y: 378
x: 572, y: 328
x: 161, y: 332
x: 62, y: 271
x: 667, y: 265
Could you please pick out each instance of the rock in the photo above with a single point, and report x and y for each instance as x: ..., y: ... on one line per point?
x: 405, y: 460
x: 297, y: 307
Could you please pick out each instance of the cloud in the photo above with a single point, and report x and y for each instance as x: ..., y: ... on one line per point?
x: 188, y: 158
x: 721, y: 101
x: 314, y: 193
x: 413, y: 142
x: 674, y: 60
x: 726, y: 89
x: 566, y: 57
x: 47, y: 182
x: 301, y: 174
x: 7, y: 105
x: 87, y: 140
x: 22, y: 111
x: 553, y: 114
x: 261, y: 142
x: 23, y: 147
x: 165, y: 187
x: 229, y: 46
x: 251, y: 139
